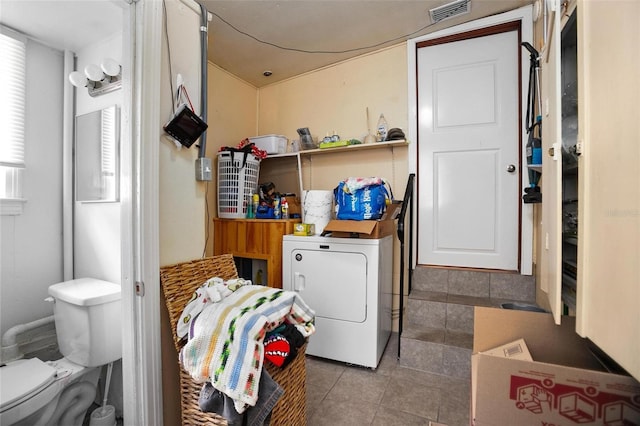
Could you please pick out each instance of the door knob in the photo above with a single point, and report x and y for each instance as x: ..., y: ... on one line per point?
x: 511, y: 168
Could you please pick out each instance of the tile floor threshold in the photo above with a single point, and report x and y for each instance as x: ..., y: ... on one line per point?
x: 343, y: 394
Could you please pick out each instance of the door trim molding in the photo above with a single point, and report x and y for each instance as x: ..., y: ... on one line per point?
x: 480, y: 32
x: 141, y: 362
x: 522, y: 17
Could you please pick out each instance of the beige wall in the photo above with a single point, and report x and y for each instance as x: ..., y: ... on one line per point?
x: 335, y: 98
x: 181, y: 201
x: 231, y: 117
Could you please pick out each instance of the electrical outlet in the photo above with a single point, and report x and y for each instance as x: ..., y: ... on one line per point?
x: 203, y: 169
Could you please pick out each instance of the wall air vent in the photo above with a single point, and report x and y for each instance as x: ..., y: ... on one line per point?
x: 449, y: 10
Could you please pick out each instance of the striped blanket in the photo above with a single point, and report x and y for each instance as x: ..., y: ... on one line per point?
x: 225, y: 345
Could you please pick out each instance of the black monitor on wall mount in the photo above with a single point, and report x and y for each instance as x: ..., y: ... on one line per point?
x: 185, y: 126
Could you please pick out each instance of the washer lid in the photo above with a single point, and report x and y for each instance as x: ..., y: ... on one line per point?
x: 86, y: 291
x: 21, y: 378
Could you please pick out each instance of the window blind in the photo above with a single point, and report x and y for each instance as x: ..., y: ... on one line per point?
x: 12, y: 112
x: 12, y: 93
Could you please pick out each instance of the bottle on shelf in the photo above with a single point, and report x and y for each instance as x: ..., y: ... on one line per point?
x: 284, y: 206
x: 250, y: 210
x: 276, y: 208
x: 381, y: 131
x: 255, y: 203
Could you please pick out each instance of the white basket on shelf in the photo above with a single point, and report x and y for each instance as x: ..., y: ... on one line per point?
x: 237, y: 182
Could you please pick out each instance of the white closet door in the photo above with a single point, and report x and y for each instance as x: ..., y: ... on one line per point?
x: 551, y: 181
x: 608, y: 303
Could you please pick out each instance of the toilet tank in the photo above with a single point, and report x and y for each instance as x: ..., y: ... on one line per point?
x: 88, y: 317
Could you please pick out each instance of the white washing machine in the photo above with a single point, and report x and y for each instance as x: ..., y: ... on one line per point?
x: 348, y: 282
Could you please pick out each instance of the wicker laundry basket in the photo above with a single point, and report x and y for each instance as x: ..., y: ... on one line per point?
x: 179, y: 281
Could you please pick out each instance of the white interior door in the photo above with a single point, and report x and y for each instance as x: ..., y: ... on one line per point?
x: 468, y: 152
x: 551, y: 234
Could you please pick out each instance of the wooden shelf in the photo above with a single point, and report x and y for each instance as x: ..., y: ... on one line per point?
x: 285, y: 170
x: 359, y: 147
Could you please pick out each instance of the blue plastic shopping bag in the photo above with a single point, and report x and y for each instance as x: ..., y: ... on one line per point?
x: 364, y: 203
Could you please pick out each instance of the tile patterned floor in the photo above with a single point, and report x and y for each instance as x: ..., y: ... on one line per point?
x: 340, y: 394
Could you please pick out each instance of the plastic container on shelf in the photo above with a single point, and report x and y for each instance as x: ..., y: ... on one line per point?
x: 272, y: 144
x: 237, y: 182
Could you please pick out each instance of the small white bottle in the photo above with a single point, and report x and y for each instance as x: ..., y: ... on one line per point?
x: 381, y: 132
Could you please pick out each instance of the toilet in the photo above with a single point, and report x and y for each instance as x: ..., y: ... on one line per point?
x: 88, y: 323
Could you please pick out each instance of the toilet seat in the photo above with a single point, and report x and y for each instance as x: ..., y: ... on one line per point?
x: 22, y: 379
x: 27, y: 386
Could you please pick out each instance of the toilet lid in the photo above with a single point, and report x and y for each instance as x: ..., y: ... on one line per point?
x: 19, y: 379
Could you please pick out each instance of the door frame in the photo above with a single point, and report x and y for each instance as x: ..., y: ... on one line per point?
x: 524, y: 15
x: 141, y: 360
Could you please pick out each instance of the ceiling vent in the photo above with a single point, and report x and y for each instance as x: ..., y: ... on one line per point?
x: 450, y: 10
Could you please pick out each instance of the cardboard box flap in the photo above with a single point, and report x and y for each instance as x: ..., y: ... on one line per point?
x: 365, y: 228
x: 547, y: 341
x: 392, y: 211
x: 351, y: 226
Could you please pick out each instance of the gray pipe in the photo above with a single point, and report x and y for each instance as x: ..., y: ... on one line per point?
x: 204, y: 29
x: 10, y: 349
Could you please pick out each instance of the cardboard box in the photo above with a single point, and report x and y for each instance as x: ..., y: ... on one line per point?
x: 562, y: 384
x: 365, y: 228
x: 304, y: 229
